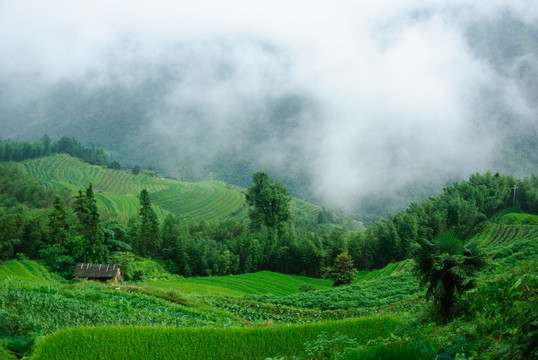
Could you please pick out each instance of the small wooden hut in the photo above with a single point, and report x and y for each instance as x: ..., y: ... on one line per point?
x: 101, y: 272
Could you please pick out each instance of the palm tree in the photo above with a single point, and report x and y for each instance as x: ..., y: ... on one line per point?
x: 447, y: 265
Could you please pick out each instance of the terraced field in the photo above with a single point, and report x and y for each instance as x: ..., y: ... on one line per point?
x: 203, y: 343
x: 263, y: 282
x: 117, y: 191
x: 25, y: 271
x: 207, y: 200
x: 389, y: 270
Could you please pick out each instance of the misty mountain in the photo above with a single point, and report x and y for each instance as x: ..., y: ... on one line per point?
x: 381, y: 109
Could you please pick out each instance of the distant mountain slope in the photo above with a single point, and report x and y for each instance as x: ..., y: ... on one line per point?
x: 117, y: 191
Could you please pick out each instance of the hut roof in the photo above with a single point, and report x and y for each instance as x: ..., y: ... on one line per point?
x: 96, y: 270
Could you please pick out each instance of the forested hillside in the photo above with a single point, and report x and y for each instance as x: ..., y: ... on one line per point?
x: 495, y: 317
x: 58, y: 222
x: 306, y: 243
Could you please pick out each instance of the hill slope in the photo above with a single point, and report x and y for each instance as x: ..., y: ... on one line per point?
x: 117, y: 191
x: 30, y: 299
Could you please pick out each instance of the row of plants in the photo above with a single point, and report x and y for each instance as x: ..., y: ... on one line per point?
x: 387, y: 290
x: 261, y: 282
x: 29, y: 310
x: 66, y: 168
x: 206, y: 200
x: 203, y: 343
x: 265, y: 313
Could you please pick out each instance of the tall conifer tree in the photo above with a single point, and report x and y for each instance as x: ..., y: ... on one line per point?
x: 150, y: 240
x: 89, y: 226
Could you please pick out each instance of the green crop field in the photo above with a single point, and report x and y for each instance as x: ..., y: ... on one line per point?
x: 25, y: 271
x: 180, y: 343
x: 263, y: 282
x: 117, y: 191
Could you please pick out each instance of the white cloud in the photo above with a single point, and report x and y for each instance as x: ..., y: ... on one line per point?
x: 391, y: 80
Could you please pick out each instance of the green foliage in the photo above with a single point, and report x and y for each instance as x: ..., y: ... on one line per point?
x: 307, y: 287
x: 149, y: 242
x: 400, y: 351
x: 336, y: 347
x: 5, y: 355
x: 17, y: 187
x: 57, y: 223
x: 19, y: 151
x: 342, y: 272
x: 117, y: 190
x: 89, y: 227
x: 507, y: 304
x: 37, y: 309
x: 26, y: 270
x: 204, y: 343
x: 262, y: 282
x: 372, y: 294
x: 114, y: 165
x: 269, y: 201
x: 125, y: 260
x: 57, y: 259
x: 447, y: 266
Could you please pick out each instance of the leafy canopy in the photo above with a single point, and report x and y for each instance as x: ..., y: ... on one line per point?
x: 448, y: 266
x: 269, y: 201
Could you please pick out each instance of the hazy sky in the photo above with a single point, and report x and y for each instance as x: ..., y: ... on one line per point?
x: 393, y: 87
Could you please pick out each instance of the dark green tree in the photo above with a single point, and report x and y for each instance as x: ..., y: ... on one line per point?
x: 114, y: 165
x: 149, y: 243
x: 447, y: 266
x: 11, y: 230
x: 46, y: 145
x: 313, y: 255
x: 342, y: 272
x: 57, y: 223
x: 89, y: 227
x: 269, y: 202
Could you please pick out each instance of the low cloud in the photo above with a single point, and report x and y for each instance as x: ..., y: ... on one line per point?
x: 356, y: 99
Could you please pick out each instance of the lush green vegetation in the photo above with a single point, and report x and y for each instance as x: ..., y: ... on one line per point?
x: 496, y: 317
x: 117, y: 192
x: 18, y: 151
x: 262, y: 282
x: 180, y: 343
x: 69, y: 215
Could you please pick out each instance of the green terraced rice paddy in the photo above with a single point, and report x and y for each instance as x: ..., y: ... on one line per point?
x: 117, y: 191
x: 25, y: 271
x: 263, y: 282
x: 390, y: 269
x: 131, y: 343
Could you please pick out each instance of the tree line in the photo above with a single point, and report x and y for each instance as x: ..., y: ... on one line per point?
x: 24, y: 150
x: 61, y: 230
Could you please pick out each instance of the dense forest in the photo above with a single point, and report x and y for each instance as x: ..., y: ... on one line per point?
x: 43, y: 223
x: 23, y: 150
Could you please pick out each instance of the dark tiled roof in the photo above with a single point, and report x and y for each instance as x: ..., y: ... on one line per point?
x: 96, y: 270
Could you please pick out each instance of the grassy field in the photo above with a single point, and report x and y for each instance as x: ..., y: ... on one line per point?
x: 263, y: 282
x: 180, y: 343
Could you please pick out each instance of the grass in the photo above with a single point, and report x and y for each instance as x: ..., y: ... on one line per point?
x: 118, y: 343
x: 390, y: 269
x: 25, y: 270
x: 263, y: 282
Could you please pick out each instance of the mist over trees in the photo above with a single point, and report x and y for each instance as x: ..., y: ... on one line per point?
x: 418, y: 97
